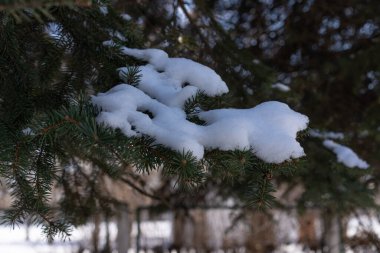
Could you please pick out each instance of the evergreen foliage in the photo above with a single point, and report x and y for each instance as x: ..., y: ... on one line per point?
x: 326, y: 51
x: 52, y: 59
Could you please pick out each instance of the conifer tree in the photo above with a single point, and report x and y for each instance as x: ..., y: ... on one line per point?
x: 52, y: 60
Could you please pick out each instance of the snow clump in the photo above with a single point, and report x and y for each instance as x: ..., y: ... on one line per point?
x: 345, y: 155
x: 155, y: 108
x: 281, y: 87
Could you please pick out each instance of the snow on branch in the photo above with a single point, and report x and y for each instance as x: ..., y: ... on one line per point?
x: 155, y: 108
x: 345, y: 155
x: 281, y: 87
x: 326, y: 134
x: 179, y: 71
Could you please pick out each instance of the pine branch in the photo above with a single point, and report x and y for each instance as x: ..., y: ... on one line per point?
x: 131, y: 75
x: 36, y: 4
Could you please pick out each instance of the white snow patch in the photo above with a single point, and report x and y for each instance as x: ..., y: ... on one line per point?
x: 182, y: 70
x: 363, y: 223
x: 27, y: 131
x: 281, y: 87
x: 164, y: 88
x: 109, y: 43
x: 53, y: 29
x: 103, y: 9
x: 326, y: 135
x: 114, y: 34
x: 290, y: 248
x: 153, y: 233
x: 126, y: 16
x: 269, y: 129
x: 345, y: 155
x: 286, y: 226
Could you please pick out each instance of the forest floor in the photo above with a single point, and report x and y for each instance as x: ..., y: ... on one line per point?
x: 31, y: 240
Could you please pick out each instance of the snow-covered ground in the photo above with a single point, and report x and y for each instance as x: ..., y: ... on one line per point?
x: 16, y: 241
x: 31, y: 240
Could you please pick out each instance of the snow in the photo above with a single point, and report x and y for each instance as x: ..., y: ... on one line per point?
x: 360, y: 223
x: 159, y: 232
x: 53, y: 30
x: 269, y: 129
x: 281, y: 87
x: 291, y: 248
x: 182, y: 70
x: 14, y: 240
x: 286, y: 226
x: 103, y: 9
x: 326, y: 134
x: 345, y: 155
x: 27, y: 131
x: 114, y: 34
x: 165, y: 89
x: 126, y: 16
x: 109, y: 43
